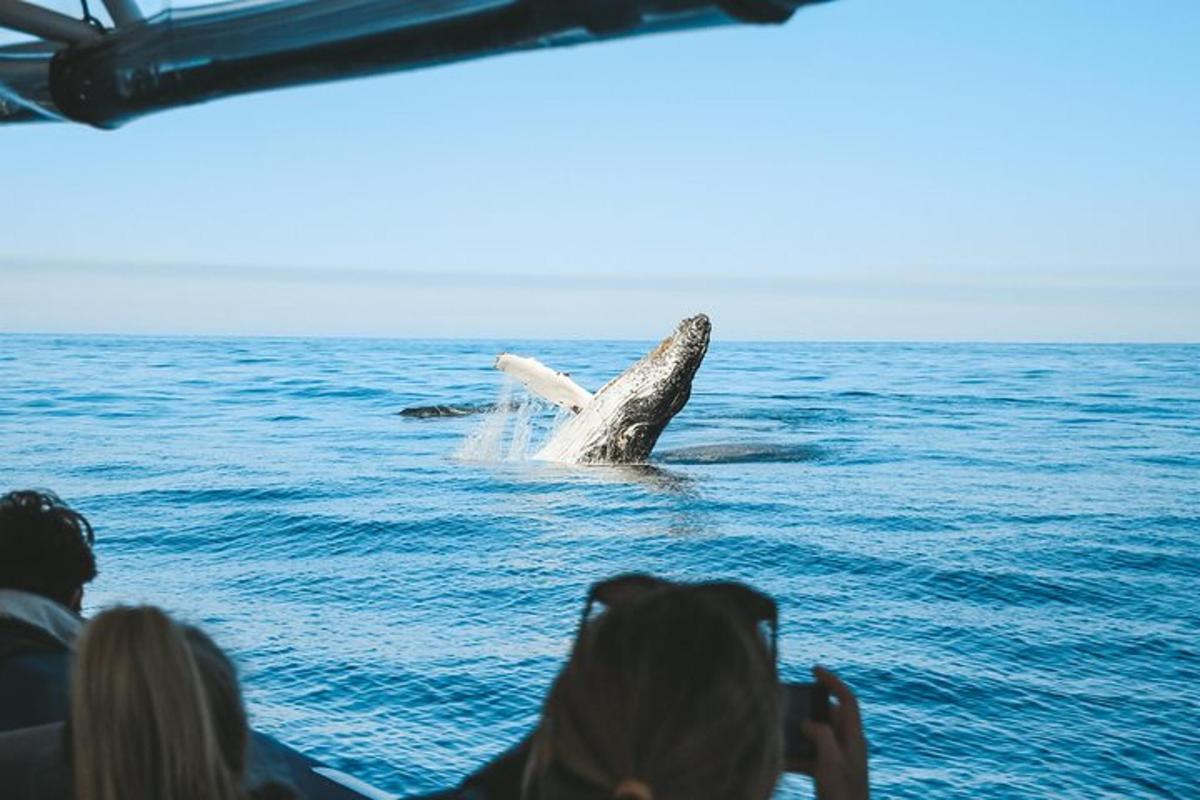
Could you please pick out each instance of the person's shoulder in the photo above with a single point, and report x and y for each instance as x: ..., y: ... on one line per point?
x: 34, y: 675
x: 27, y: 650
x: 18, y: 637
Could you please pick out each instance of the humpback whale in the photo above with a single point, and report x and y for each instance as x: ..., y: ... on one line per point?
x: 621, y: 422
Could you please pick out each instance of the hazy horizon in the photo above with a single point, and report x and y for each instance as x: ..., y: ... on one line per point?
x: 362, y: 303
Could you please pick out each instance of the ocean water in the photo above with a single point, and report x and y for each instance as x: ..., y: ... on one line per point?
x: 998, y: 546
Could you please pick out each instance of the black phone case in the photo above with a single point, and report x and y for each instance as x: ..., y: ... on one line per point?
x: 802, y: 701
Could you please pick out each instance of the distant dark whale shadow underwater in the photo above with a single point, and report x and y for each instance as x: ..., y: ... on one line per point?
x: 742, y: 453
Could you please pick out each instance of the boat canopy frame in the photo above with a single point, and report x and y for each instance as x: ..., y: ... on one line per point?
x: 79, y: 70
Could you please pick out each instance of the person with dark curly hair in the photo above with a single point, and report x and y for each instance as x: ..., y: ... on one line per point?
x: 46, y: 559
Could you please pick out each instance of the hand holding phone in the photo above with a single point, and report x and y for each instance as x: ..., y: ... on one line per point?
x: 837, y: 758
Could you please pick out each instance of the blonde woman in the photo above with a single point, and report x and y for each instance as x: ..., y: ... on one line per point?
x: 156, y: 713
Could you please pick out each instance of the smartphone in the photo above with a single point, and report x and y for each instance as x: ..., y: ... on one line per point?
x: 802, y: 701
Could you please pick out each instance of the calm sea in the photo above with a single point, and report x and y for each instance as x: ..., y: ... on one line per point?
x: 999, y: 546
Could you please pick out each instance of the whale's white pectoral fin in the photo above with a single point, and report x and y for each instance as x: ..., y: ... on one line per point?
x: 554, y: 387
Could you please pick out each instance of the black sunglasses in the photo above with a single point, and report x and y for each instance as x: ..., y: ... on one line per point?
x: 755, y: 608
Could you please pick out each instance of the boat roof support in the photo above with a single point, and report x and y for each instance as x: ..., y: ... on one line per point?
x: 123, y: 12
x: 44, y: 23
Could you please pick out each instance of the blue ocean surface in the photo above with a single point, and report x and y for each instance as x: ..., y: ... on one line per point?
x: 997, y: 545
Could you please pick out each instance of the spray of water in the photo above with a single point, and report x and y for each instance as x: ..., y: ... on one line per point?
x: 513, y: 431
x: 522, y: 431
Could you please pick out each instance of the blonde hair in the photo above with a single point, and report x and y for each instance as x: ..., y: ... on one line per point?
x: 142, y: 722
x: 670, y: 696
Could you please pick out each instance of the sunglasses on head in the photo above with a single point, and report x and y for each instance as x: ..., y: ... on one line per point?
x: 754, y: 607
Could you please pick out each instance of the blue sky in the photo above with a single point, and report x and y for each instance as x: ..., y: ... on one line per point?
x: 875, y: 169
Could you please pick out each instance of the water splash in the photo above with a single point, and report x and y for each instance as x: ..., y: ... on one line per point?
x: 522, y: 431
x: 513, y: 431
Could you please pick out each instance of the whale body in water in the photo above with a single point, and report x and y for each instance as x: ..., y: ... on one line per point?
x: 620, y: 423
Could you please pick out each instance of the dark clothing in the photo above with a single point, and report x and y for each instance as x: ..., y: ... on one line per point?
x: 501, y: 779
x: 34, y: 675
x: 33, y: 766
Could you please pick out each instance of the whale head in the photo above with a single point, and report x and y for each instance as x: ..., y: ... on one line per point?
x: 624, y: 419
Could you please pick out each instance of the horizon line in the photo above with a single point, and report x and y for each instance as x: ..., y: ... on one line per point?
x: 602, y: 340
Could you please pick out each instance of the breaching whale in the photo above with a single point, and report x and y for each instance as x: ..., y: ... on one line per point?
x: 620, y: 423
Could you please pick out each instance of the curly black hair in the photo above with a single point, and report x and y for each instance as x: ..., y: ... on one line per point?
x: 45, y: 546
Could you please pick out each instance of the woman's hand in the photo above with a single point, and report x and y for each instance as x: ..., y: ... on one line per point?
x: 840, y: 769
